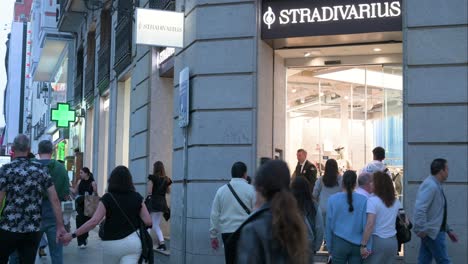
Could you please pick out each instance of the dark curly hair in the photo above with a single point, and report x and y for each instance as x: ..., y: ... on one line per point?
x: 383, y: 188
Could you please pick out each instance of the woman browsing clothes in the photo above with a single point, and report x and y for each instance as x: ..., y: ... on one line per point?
x: 382, y: 211
x: 157, y: 188
x: 86, y: 186
x: 123, y: 208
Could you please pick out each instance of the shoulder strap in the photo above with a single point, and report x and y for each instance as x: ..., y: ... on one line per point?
x: 122, y: 211
x: 247, y: 210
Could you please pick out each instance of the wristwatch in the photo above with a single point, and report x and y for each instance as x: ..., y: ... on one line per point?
x: 74, y: 235
x: 363, y: 246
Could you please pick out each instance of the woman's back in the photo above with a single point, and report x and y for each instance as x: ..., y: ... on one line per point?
x: 322, y: 193
x: 117, y: 225
x: 343, y: 223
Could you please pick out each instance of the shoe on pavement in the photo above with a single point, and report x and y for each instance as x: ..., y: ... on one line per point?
x: 82, y: 246
x: 42, y: 252
x: 162, y: 247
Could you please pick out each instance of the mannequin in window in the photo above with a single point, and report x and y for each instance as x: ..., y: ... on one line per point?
x: 343, y: 164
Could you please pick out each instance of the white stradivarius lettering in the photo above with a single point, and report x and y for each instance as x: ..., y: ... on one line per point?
x: 333, y: 13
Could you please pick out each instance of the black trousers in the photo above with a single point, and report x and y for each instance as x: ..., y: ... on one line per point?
x: 227, y: 253
x: 26, y: 244
x: 81, y: 219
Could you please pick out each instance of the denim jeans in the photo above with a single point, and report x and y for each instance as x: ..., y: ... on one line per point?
x: 49, y: 227
x: 434, y: 249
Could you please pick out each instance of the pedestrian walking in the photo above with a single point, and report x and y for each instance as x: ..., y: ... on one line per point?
x: 365, y: 184
x: 275, y: 233
x: 123, y: 209
x: 382, y: 211
x: 86, y: 186
x: 326, y: 186
x: 60, y: 178
x: 24, y: 182
x: 157, y: 188
x: 346, y: 219
x: 430, y: 216
x: 232, y: 204
x: 302, y: 191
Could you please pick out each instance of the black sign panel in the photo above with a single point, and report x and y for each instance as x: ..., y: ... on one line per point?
x: 287, y: 18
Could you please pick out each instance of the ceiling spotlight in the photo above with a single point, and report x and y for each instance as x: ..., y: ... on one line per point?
x: 293, y: 90
x: 307, y: 54
x: 321, y: 94
x: 377, y: 49
x: 302, y: 100
x: 346, y: 97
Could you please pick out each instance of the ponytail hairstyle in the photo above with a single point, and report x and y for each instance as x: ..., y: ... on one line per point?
x: 349, y: 183
x: 288, y: 226
x: 87, y: 171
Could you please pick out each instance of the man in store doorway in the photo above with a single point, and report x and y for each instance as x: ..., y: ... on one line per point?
x: 305, y: 168
x: 377, y: 164
x: 232, y: 205
x: 430, y: 216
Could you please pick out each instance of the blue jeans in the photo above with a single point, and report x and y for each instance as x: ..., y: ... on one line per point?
x: 345, y: 252
x: 49, y: 227
x: 434, y: 249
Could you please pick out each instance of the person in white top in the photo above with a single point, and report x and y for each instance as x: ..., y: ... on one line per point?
x: 228, y: 212
x: 377, y: 164
x: 382, y: 210
x: 366, y: 184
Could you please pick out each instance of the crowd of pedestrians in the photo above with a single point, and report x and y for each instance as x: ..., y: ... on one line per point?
x: 278, y: 218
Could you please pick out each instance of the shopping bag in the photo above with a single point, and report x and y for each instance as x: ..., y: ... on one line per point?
x: 90, y: 205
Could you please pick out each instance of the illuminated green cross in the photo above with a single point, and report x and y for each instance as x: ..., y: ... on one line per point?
x: 63, y: 115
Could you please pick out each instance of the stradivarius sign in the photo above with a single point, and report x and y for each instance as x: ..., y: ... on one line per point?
x: 289, y: 18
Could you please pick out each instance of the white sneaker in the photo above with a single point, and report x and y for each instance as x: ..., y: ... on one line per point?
x: 82, y: 246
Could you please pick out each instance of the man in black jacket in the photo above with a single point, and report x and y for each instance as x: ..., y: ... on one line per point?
x: 305, y: 168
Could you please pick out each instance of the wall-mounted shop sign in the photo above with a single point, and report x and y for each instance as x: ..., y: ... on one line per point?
x: 289, y: 18
x: 62, y: 115
x: 159, y: 28
x: 184, y: 97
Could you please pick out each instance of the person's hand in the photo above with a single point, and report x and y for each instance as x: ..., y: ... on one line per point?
x: 214, y: 243
x: 364, y: 252
x: 66, y: 238
x: 422, y: 234
x: 453, y: 237
x: 60, y: 233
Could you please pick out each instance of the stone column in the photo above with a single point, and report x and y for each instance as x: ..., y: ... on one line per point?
x: 221, y: 51
x: 436, y: 108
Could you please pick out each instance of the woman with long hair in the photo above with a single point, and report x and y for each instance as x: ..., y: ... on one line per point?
x: 327, y: 185
x: 346, y: 219
x: 301, y: 190
x: 276, y: 232
x: 382, y: 211
x: 124, y: 209
x: 86, y: 186
x: 157, y: 188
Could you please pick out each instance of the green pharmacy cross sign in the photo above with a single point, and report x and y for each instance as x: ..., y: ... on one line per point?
x: 63, y: 115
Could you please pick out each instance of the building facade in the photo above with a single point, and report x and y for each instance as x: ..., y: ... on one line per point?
x: 267, y: 78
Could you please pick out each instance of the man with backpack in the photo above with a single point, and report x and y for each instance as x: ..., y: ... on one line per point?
x: 231, y: 206
x: 61, y: 182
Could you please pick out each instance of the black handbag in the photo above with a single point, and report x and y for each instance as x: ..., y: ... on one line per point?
x: 167, y: 213
x: 147, y: 254
x: 101, y: 229
x: 403, y: 229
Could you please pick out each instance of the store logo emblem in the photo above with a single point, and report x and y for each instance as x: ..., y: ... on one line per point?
x: 269, y: 17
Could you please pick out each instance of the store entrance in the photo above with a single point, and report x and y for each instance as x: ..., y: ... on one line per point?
x: 344, y: 110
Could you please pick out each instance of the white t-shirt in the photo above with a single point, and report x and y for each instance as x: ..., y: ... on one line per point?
x: 384, y: 217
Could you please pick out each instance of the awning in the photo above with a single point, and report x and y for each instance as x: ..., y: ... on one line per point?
x: 52, y: 55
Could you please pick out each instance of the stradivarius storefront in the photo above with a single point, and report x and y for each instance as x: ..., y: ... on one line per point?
x: 334, y: 77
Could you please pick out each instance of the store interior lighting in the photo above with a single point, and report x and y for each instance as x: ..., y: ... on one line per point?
x: 359, y: 76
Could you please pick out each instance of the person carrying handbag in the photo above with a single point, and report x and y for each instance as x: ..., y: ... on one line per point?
x: 157, y: 188
x: 124, y: 209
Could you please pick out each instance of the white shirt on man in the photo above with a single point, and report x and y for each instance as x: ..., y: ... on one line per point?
x: 362, y: 191
x: 226, y: 212
x: 385, y: 217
